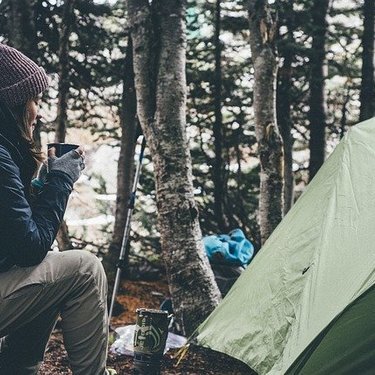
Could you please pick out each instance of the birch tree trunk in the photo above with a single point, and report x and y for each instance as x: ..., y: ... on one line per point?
x: 159, y: 42
x: 368, y: 84
x: 284, y: 107
x: 63, y: 238
x: 317, y: 115
x: 262, y: 25
x: 285, y: 123
x: 125, y: 168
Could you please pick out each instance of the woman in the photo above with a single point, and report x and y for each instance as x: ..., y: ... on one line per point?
x: 36, y: 285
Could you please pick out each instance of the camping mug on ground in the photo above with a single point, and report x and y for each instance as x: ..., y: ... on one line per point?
x: 150, y: 337
x: 62, y: 148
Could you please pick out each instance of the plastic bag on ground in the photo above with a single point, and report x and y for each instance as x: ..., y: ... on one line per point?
x: 123, y: 344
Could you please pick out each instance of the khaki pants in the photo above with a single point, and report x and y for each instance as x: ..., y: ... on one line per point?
x: 71, y: 284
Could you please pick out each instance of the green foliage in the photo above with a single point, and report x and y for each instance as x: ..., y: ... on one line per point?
x: 342, y: 66
x: 96, y: 53
x: 240, y: 181
x: 97, y: 47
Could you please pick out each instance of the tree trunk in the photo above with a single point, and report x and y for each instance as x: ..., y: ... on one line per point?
x: 64, y: 82
x: 22, y: 31
x: 218, y: 129
x: 125, y: 168
x: 283, y: 110
x: 63, y: 238
x: 285, y: 122
x: 317, y: 115
x: 23, y: 36
x: 368, y: 84
x: 158, y: 32
x: 262, y: 33
x: 344, y: 112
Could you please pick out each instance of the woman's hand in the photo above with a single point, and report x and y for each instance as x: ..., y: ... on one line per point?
x: 72, y: 163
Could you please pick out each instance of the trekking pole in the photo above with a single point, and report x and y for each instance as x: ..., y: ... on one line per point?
x: 131, y: 203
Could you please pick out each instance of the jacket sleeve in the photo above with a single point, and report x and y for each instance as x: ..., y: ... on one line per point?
x: 30, y: 232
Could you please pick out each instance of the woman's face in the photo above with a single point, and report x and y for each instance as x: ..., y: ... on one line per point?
x: 32, y: 108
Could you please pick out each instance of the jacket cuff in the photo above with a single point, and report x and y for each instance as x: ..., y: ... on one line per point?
x: 62, y: 175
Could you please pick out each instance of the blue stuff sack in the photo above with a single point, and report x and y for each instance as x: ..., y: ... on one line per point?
x: 234, y: 248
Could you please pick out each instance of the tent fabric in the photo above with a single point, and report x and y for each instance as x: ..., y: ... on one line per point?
x: 346, y: 346
x: 317, y: 262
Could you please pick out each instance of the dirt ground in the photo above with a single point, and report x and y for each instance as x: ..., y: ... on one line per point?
x: 132, y: 295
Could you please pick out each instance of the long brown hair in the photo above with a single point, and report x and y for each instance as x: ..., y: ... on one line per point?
x: 21, y: 115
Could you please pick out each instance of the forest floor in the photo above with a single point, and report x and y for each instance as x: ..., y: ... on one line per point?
x: 132, y: 295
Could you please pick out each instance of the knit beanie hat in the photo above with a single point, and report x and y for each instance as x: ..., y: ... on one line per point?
x: 20, y: 78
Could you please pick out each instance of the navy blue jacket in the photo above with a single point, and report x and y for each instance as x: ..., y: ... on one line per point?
x: 28, y: 226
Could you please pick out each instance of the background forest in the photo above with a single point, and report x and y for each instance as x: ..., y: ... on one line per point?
x: 324, y: 53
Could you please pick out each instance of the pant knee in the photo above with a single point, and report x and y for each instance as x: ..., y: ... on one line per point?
x: 82, y: 266
x: 90, y: 264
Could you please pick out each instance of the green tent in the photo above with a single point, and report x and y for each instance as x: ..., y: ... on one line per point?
x: 306, y: 303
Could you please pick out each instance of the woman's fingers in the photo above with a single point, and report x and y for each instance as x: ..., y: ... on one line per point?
x: 51, y: 152
x: 80, y: 151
